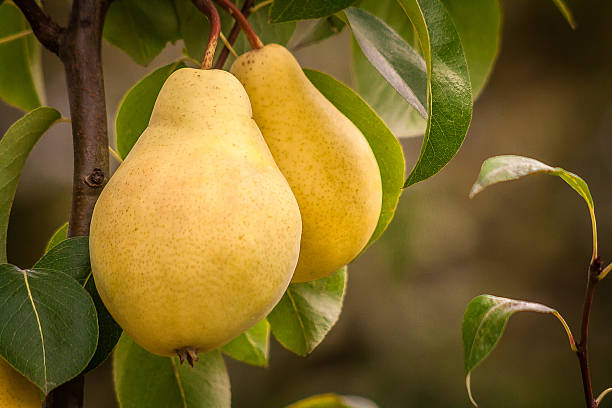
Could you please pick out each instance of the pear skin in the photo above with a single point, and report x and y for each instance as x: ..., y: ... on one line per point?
x: 15, y: 390
x: 197, y: 234
x: 324, y: 156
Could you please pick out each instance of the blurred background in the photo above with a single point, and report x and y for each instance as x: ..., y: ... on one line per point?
x: 398, y: 340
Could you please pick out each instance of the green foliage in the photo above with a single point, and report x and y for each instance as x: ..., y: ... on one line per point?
x: 484, y: 323
x: 291, y: 10
x: 307, y: 312
x: 48, y: 325
x: 60, y: 234
x: 167, y: 383
x: 15, y: 146
x: 396, y: 60
x: 386, y: 148
x: 136, y: 107
x: 321, y: 30
x: 252, y: 346
x: 448, y: 87
x: 21, y: 82
x: 71, y: 256
x: 141, y: 28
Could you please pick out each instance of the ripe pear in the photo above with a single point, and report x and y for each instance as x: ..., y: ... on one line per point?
x: 15, y: 390
x: 196, y: 236
x: 324, y: 156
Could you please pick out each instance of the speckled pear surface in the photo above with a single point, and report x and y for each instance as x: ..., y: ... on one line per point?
x: 325, y: 158
x: 196, y: 236
x: 15, y: 390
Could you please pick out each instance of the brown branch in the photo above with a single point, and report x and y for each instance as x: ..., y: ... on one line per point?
x: 233, y: 35
x: 242, y: 21
x: 206, y: 7
x: 48, y: 32
x: 583, y: 350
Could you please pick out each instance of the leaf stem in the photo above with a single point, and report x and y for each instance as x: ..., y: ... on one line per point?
x: 115, y: 155
x: 207, y: 8
x: 261, y: 5
x: 233, y: 35
x: 15, y: 36
x: 228, y: 45
x: 605, y: 272
x: 242, y: 21
x: 595, y: 269
x: 602, y: 395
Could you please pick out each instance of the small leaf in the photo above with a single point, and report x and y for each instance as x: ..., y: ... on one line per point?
x: 333, y: 401
x: 567, y: 13
x: 60, y: 234
x: 483, y: 325
x: 141, y: 28
x: 48, y: 325
x: 449, y: 102
x: 506, y: 168
x: 71, y: 256
x: 21, y: 81
x: 396, y: 60
x: 145, y: 380
x: 307, y: 312
x: 252, y: 346
x: 291, y: 10
x: 321, y: 30
x: 136, y: 107
x: 386, y: 148
x: 15, y: 146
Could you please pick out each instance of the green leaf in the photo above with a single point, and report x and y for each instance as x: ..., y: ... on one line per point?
x: 307, y: 312
x: 402, y: 119
x: 71, y: 256
x: 478, y: 23
x: 483, y: 325
x: 396, y: 60
x: 145, y: 380
x: 386, y: 148
x: 15, y: 146
x: 58, y: 236
x: 291, y: 10
x: 505, y: 168
x: 333, y: 401
x: 48, y: 325
x: 252, y: 346
x: 567, y: 13
x: 136, y: 107
x: 141, y: 28
x: 321, y: 30
x: 21, y: 81
x: 449, y: 102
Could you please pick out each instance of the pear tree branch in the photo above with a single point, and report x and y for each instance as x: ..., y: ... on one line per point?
x: 48, y: 32
x: 231, y: 8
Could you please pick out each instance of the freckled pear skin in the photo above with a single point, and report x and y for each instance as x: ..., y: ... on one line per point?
x: 325, y: 158
x: 196, y: 236
x: 15, y: 390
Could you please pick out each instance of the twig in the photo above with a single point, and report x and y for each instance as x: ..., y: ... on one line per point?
x: 242, y: 21
x: 595, y: 270
x: 206, y: 7
x: 233, y: 35
x: 48, y: 32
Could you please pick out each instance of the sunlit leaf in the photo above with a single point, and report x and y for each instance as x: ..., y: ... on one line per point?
x: 15, y: 146
x: 60, y: 234
x: 145, y: 380
x: 307, y: 312
x: 252, y: 346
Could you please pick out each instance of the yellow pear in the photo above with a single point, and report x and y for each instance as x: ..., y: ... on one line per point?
x: 324, y: 156
x: 196, y: 236
x: 15, y: 390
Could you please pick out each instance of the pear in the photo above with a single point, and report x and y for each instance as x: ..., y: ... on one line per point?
x: 324, y: 156
x: 15, y: 390
x: 196, y: 236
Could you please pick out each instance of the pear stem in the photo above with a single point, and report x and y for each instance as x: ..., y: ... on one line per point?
x: 208, y: 8
x: 242, y: 21
x: 189, y: 354
x: 233, y: 35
